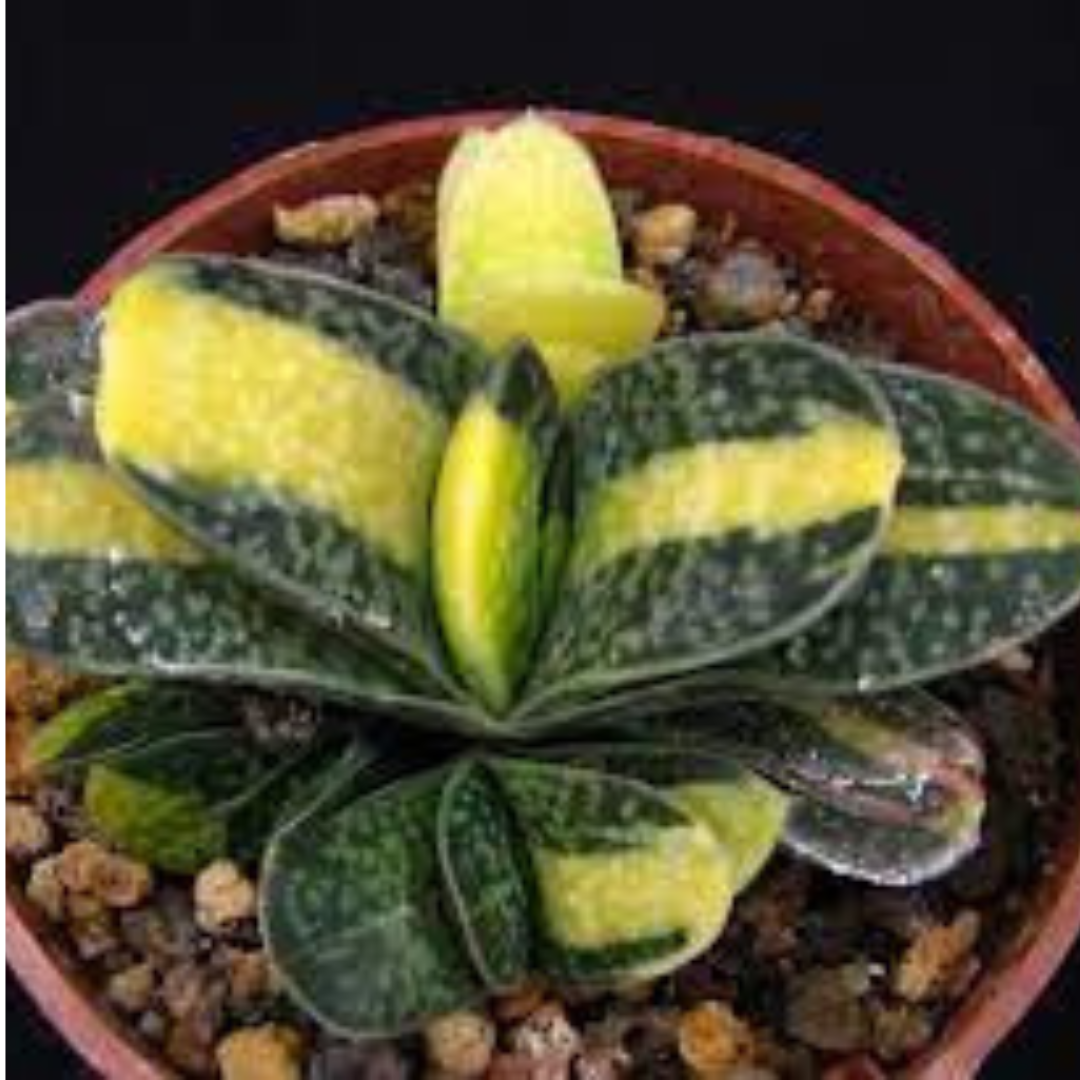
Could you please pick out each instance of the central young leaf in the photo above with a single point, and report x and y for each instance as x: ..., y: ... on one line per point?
x: 488, y: 547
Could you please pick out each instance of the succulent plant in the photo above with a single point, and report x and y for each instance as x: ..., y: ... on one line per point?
x: 585, y: 667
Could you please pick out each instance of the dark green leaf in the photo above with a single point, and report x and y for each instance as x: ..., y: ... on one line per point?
x: 983, y: 550
x: 486, y: 883
x: 166, y: 802
x: 293, y: 424
x: 300, y: 781
x: 729, y: 490
x: 353, y: 914
x: 561, y: 808
x: 49, y: 348
x: 900, y: 853
x: 125, y: 718
x: 98, y: 583
x: 628, y: 884
x: 329, y: 776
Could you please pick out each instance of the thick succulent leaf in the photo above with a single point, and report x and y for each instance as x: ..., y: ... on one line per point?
x: 982, y: 552
x: 168, y: 802
x: 99, y: 583
x: 888, y: 756
x: 331, y: 775
x: 292, y: 423
x: 49, y: 347
x: 747, y: 815
x: 901, y: 772
x: 528, y: 246
x: 352, y: 913
x: 628, y: 885
x: 167, y: 829
x: 122, y: 718
x: 896, y: 853
x: 730, y: 489
x: 304, y: 780
x: 487, y: 525
x: 156, y: 796
x: 744, y: 812
x: 487, y: 886
x: 582, y: 325
x: 525, y: 197
x: 557, y: 525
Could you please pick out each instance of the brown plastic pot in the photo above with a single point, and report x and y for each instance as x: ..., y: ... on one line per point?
x: 939, y: 319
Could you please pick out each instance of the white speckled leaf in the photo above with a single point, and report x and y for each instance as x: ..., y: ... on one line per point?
x: 983, y: 551
x: 294, y: 424
x: 353, y: 914
x: 729, y: 490
x: 302, y: 781
x: 49, y: 347
x: 745, y: 812
x: 628, y: 884
x: 485, y: 880
x: 99, y: 583
x: 337, y: 771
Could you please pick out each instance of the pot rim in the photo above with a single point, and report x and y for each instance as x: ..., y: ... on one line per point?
x: 997, y: 1004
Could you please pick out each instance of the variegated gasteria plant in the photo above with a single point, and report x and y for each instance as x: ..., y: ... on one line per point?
x: 598, y: 623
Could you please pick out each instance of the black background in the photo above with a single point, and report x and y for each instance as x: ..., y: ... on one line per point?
x: 962, y: 120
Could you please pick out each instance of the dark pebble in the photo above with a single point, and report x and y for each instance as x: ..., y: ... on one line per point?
x: 152, y: 1026
x: 899, y: 1031
x: 388, y: 260
x: 60, y: 802
x: 832, y: 934
x: 411, y: 208
x: 746, y: 288
x: 652, y: 1045
x: 825, y: 1009
x: 164, y: 931
x: 902, y: 913
x: 361, y: 1061
x: 195, y: 997
x: 703, y: 980
x: 187, y: 1047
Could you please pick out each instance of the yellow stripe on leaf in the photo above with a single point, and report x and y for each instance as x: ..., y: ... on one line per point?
x: 771, y: 486
x: 196, y: 387
x: 681, y: 882
x: 981, y: 530
x: 76, y: 508
x: 478, y: 542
